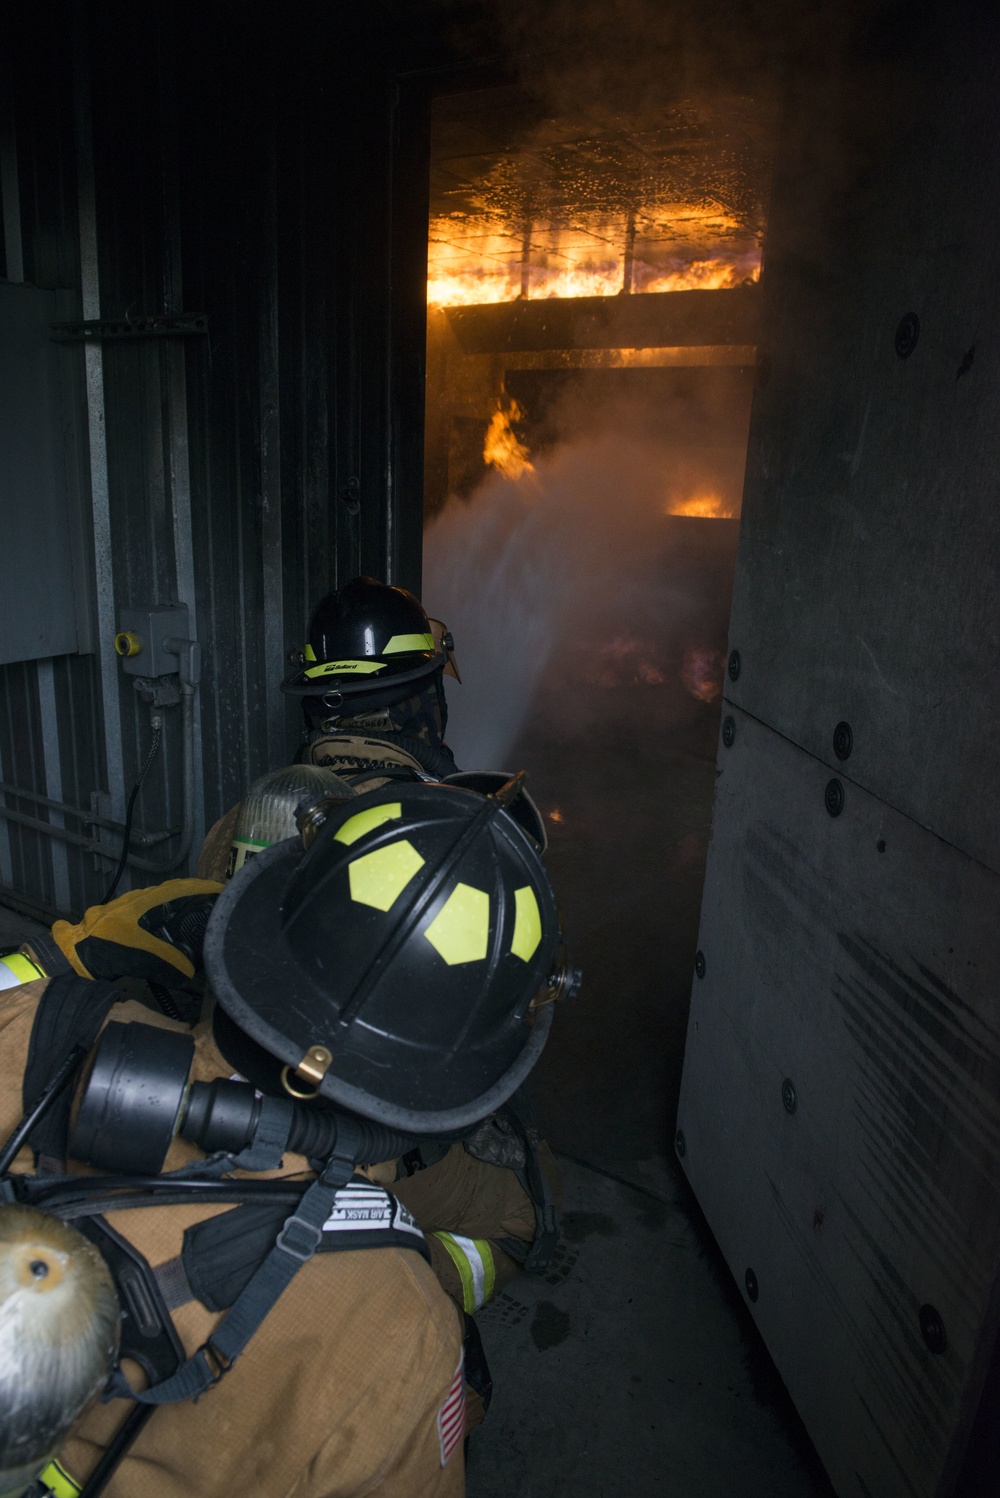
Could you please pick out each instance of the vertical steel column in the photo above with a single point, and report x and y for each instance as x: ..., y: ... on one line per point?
x: 11, y: 201
x: 100, y: 496
x: 272, y: 558
x: 174, y: 357
x: 52, y: 759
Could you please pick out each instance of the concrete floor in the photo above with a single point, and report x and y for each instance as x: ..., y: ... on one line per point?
x: 631, y: 1369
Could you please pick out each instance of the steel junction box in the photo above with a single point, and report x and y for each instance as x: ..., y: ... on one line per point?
x: 142, y: 641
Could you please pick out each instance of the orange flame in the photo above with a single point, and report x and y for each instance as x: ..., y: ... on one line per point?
x: 474, y: 259
x: 502, y: 449
x: 704, y: 275
x: 701, y: 506
x: 479, y: 285
x: 701, y: 673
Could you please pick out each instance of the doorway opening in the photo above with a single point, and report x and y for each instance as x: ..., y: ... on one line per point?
x: 592, y: 327
x: 592, y: 322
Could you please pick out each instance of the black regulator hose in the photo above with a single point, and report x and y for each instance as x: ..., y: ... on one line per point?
x: 314, y: 1134
x: 224, y: 1115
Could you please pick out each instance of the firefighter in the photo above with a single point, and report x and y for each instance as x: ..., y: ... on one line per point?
x: 372, y: 670
x: 488, y: 1204
x: 370, y: 683
x: 419, y: 921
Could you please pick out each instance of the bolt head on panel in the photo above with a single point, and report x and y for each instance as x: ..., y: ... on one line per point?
x: 843, y: 741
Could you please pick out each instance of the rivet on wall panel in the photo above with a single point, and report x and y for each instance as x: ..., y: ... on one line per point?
x: 729, y: 732
x: 932, y: 1328
x: 750, y: 1280
x: 734, y: 664
x: 351, y: 495
x: 699, y: 964
x: 907, y: 334
x: 843, y: 741
x: 833, y: 798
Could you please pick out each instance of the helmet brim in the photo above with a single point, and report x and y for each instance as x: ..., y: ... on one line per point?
x: 395, y: 673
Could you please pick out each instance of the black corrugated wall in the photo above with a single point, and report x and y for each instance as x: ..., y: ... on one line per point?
x: 263, y: 166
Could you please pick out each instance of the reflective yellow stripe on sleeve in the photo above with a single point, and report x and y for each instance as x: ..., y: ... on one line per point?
x: 16, y: 969
x: 58, y: 1481
x: 473, y: 1258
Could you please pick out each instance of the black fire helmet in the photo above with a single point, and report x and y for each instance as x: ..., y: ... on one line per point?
x: 399, y: 964
x: 367, y: 640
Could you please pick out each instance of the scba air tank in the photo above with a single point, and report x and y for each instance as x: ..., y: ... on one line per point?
x: 267, y: 812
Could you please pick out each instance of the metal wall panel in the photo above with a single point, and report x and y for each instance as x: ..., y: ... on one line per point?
x: 36, y: 501
x: 866, y: 584
x: 264, y: 168
x: 848, y: 927
x: 848, y: 957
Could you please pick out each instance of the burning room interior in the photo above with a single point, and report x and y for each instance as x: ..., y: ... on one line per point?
x: 649, y: 345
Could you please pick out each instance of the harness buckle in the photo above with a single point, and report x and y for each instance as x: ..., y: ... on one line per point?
x: 303, y: 1250
x: 218, y: 1363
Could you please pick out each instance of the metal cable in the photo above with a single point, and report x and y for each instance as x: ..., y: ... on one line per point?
x: 127, y: 834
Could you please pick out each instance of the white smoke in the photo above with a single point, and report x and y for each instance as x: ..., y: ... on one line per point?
x: 528, y: 570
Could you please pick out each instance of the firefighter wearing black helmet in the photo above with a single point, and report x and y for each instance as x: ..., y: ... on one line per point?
x: 372, y: 670
x: 369, y: 680
x: 488, y: 1204
x: 400, y: 970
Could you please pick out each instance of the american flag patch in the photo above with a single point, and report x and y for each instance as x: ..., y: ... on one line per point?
x: 451, y: 1415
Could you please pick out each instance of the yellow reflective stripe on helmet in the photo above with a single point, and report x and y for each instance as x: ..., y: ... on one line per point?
x: 380, y: 877
x: 527, y: 924
x: 309, y: 653
x: 59, y: 1482
x: 344, y: 668
x: 401, y: 643
x: 364, y: 821
x: 460, y: 931
x: 16, y: 969
x: 473, y: 1258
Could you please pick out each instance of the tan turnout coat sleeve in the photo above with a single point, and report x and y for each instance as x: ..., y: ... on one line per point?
x: 336, y: 1396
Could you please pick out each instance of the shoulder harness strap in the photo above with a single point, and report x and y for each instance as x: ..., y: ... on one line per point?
x: 70, y: 1013
x: 221, y: 1255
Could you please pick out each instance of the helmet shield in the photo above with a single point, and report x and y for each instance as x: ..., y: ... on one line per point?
x: 407, y: 943
x: 364, y: 640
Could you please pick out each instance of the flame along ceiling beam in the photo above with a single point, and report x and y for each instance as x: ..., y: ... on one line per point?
x: 673, y: 319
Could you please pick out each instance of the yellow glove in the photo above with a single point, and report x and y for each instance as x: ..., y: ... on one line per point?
x: 154, y: 933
